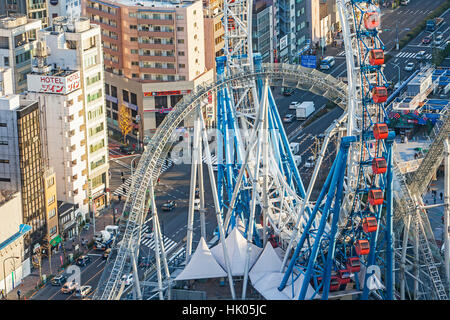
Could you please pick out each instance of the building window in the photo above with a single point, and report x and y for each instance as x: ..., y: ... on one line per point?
x: 5, y: 179
x: 106, y: 88
x: 134, y: 51
x: 4, y: 161
x: 52, y: 231
x: 133, y: 39
x: 52, y: 213
x: 97, y: 181
x: 98, y: 163
x: 180, y: 29
x: 125, y: 96
x: 180, y: 17
x: 181, y: 53
x: 6, y: 61
x: 51, y: 200
x: 180, y: 41
x: 50, y: 182
x: 3, y: 143
x: 133, y: 26
x: 114, y: 91
x: 2, y: 124
x: 133, y: 98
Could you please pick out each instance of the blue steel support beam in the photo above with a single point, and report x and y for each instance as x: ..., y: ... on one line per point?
x: 389, y: 221
x: 334, y: 223
x: 305, y: 233
x: 340, y: 168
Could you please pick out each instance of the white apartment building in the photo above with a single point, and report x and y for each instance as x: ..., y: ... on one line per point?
x: 63, y: 8
x: 75, y: 44
x: 60, y: 99
x: 17, y: 39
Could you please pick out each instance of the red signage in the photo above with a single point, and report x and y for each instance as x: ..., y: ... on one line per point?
x: 165, y: 93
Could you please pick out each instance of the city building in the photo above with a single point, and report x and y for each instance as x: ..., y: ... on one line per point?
x: 214, y: 31
x: 75, y: 49
x: 68, y: 220
x: 292, y: 27
x: 21, y: 164
x: 262, y: 26
x: 61, y: 100
x: 154, y: 53
x: 17, y: 40
x: 63, y: 8
x: 33, y: 9
x: 14, y: 266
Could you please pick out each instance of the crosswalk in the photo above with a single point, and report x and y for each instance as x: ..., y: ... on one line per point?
x: 405, y: 55
x: 411, y: 55
x: 122, y: 190
x: 169, y: 244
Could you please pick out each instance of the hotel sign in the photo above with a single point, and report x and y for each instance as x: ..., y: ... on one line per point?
x: 54, y: 84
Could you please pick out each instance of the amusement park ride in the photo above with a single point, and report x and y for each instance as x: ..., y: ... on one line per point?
x: 366, y: 236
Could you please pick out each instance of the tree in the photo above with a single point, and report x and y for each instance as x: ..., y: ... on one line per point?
x: 125, y: 121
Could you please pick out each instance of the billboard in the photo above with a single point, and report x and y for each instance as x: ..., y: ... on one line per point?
x: 54, y: 84
x: 165, y: 93
x: 309, y: 61
x: 283, y: 42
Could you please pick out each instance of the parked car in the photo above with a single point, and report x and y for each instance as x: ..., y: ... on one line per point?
x: 288, y: 118
x: 83, y: 291
x: 105, y: 254
x: 426, y: 40
x: 126, y: 150
x: 59, y: 280
x: 309, y: 162
x: 169, y: 205
x: 83, y: 261
x: 409, y: 66
x: 69, y: 287
x: 127, y: 278
x: 293, y: 105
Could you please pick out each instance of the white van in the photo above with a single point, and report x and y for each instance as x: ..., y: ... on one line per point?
x: 293, y: 105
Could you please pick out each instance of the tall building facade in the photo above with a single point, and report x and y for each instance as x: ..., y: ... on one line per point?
x: 263, y: 32
x: 154, y: 53
x: 33, y: 9
x: 61, y: 100
x: 214, y: 31
x: 75, y: 49
x: 17, y: 40
x: 292, y: 28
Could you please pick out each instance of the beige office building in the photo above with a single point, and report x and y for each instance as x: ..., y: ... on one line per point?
x: 154, y: 53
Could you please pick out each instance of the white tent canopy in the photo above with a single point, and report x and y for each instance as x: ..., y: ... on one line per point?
x: 202, y: 265
x: 237, y: 252
x: 267, y: 262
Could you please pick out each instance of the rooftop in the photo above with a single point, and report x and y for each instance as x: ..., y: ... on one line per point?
x: 14, y: 20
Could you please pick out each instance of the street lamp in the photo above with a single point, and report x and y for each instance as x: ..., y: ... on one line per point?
x: 4, y: 272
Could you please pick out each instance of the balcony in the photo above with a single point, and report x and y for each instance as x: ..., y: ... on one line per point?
x: 160, y: 46
x: 147, y: 57
x: 156, y: 34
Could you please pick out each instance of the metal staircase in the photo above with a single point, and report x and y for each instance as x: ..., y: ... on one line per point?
x: 420, y: 179
x: 407, y: 206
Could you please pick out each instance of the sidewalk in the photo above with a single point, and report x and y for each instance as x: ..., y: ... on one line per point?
x: 28, y: 287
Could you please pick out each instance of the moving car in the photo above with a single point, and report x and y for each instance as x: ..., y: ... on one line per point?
x: 83, y: 291
x: 59, y: 280
x: 438, y: 40
x: 287, y: 91
x: 327, y: 63
x: 426, y: 40
x: 293, y: 105
x: 309, y: 162
x: 409, y: 66
x: 420, y: 55
x: 83, y: 261
x: 69, y: 287
x: 288, y: 118
x: 169, y: 205
x: 128, y: 279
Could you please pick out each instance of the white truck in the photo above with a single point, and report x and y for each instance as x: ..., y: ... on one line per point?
x: 304, y: 110
x: 297, y: 160
x: 103, y: 240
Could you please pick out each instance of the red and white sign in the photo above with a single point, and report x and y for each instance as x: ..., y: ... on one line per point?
x: 165, y: 93
x: 54, y: 84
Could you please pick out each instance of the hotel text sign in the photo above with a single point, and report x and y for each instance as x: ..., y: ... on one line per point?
x: 54, y: 84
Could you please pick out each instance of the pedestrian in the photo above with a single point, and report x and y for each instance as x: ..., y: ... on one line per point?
x: 441, y: 195
x: 3, y: 295
x: 18, y: 294
x: 434, y: 200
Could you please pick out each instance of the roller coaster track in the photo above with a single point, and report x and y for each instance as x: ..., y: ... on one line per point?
x: 134, y: 209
